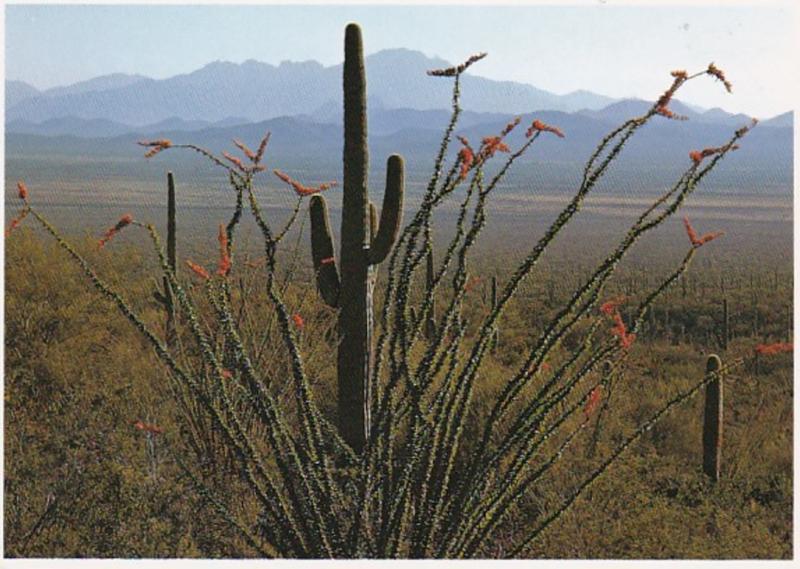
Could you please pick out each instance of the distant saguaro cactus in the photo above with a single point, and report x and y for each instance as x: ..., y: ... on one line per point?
x: 165, y: 297
x: 349, y: 288
x: 712, y: 420
x: 726, y: 336
x: 496, y: 334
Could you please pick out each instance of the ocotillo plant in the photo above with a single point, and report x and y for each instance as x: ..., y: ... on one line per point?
x: 165, y: 297
x: 712, y: 419
x: 442, y: 473
x: 349, y: 288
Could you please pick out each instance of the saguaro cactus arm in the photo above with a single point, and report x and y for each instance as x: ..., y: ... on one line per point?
x: 322, y: 252
x: 373, y: 221
x: 391, y: 213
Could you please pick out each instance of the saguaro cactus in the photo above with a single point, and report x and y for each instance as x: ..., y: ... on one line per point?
x: 165, y: 297
x: 496, y: 333
x: 349, y: 287
x: 712, y: 420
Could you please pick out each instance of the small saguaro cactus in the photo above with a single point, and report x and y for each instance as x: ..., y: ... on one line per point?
x: 165, y: 297
x: 712, y: 420
x: 349, y: 287
x: 496, y: 333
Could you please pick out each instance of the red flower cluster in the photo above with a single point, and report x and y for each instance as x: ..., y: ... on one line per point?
x: 510, y: 126
x: 466, y: 157
x: 15, y: 223
x: 621, y: 331
x: 198, y: 270
x: 22, y: 190
x: 592, y: 401
x: 490, y: 145
x: 254, y: 157
x: 457, y: 70
x: 327, y: 261
x: 148, y: 428
x: 224, y: 266
x: 243, y: 147
x: 234, y: 160
x: 227, y: 374
x: 539, y: 126
x: 610, y: 306
x: 772, y: 349
x: 299, y: 188
x: 696, y: 240
x: 698, y: 155
x: 123, y: 222
x: 298, y: 321
x: 156, y: 146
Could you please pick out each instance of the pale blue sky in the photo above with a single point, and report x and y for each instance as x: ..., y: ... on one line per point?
x: 613, y: 50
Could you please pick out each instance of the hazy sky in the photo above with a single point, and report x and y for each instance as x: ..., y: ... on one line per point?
x: 613, y: 50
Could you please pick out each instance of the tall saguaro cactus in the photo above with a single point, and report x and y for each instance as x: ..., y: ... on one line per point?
x: 712, y: 420
x: 349, y: 288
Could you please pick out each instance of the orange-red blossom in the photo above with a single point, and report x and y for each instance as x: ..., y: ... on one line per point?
x: 592, y: 401
x: 699, y: 241
x: 300, y: 189
x: 22, y: 190
x: 610, y: 306
x: 198, y: 270
x: 148, y: 428
x: 15, y: 223
x: 155, y: 146
x: 224, y: 266
x: 776, y: 348
x: 539, y: 126
x: 123, y: 222
x: 698, y: 155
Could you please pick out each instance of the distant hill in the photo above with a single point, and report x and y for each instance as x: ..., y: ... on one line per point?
x: 17, y: 91
x: 102, y: 83
x: 259, y: 91
x: 782, y: 120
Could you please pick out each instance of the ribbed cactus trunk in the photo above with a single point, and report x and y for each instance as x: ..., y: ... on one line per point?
x: 355, y: 308
x: 365, y: 242
x: 712, y: 421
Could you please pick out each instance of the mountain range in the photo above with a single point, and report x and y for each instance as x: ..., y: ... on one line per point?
x: 258, y: 91
x: 300, y: 103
